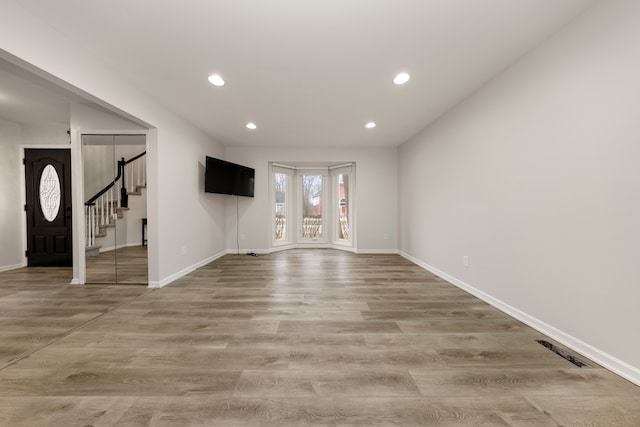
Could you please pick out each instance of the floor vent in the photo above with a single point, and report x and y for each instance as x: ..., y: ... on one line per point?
x: 560, y: 352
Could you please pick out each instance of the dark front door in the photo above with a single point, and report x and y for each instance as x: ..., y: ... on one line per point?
x: 48, y: 209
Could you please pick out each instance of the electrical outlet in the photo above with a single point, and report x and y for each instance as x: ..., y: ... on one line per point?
x: 183, y: 250
x: 465, y: 261
x: 242, y: 237
x: 385, y: 236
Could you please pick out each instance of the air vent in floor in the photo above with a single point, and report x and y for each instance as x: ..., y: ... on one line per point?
x: 560, y: 352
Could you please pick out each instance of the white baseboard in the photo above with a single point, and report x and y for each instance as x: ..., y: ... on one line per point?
x: 377, y: 251
x: 246, y: 251
x: 281, y: 248
x: 343, y: 248
x: 111, y: 248
x: 602, y: 358
x: 12, y: 267
x: 164, y: 282
x: 312, y: 246
x: 306, y: 246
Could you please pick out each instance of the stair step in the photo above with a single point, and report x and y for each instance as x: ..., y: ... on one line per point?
x: 92, y: 250
x: 137, y: 191
x: 119, y: 212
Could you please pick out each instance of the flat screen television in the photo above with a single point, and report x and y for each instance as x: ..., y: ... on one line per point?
x: 224, y: 177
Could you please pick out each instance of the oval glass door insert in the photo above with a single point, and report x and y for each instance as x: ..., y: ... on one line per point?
x: 50, y: 193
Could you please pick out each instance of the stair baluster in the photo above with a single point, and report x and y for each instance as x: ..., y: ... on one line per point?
x: 103, y: 208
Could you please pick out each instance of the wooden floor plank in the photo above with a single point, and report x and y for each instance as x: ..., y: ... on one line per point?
x: 300, y: 337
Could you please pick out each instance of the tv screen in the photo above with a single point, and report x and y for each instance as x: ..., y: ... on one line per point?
x: 224, y: 177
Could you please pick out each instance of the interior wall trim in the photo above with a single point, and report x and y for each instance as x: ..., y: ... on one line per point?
x: 167, y: 280
x: 311, y: 246
x: 244, y: 252
x: 377, y: 251
x: 287, y: 247
x: 608, y: 361
x: 12, y: 267
x: 343, y: 248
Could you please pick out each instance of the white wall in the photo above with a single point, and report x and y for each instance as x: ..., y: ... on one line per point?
x: 11, y: 212
x: 375, y: 194
x: 45, y: 134
x: 180, y: 220
x: 536, y: 179
x: 193, y: 225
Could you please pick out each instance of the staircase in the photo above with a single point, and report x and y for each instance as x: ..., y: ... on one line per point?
x: 103, y: 210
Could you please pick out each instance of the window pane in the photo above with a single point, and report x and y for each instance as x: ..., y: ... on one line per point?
x: 50, y: 193
x: 312, y: 206
x: 281, y: 206
x: 343, y: 206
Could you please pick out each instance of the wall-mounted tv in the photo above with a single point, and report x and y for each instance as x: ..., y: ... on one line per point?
x: 224, y: 177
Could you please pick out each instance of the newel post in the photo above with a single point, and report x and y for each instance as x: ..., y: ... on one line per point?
x: 124, y: 197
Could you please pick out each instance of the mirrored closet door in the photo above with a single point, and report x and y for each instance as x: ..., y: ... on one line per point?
x: 115, y: 208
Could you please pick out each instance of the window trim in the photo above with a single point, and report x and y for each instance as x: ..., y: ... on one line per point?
x: 326, y: 193
x: 290, y: 209
x: 335, y: 171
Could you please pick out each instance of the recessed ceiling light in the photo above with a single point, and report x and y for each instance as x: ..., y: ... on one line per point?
x: 251, y: 126
x: 370, y: 125
x: 401, y: 78
x: 216, y: 80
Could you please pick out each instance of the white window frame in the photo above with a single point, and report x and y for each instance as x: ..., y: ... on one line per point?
x: 289, y: 171
x: 326, y: 196
x: 335, y: 171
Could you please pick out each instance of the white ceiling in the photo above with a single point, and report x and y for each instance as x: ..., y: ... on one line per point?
x: 307, y: 72
x: 25, y: 98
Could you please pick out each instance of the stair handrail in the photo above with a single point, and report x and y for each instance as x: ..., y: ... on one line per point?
x: 121, y: 164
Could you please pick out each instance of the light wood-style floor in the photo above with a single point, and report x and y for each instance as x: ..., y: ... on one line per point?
x: 301, y: 337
